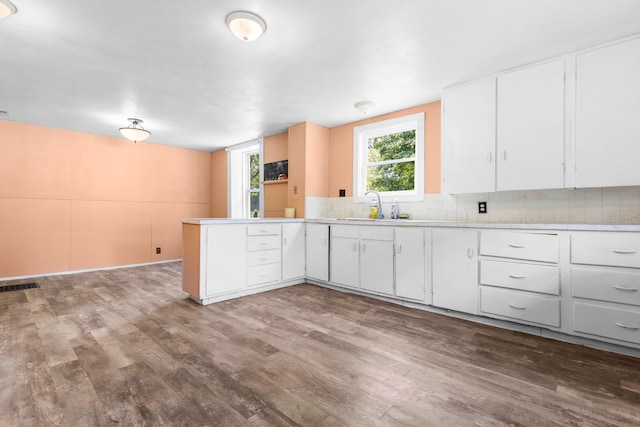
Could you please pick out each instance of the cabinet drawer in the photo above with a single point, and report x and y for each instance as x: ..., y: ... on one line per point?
x: 607, y: 322
x: 345, y: 231
x: 259, y: 274
x: 377, y: 233
x: 615, y: 249
x: 261, y: 243
x: 606, y: 285
x: 263, y: 229
x: 524, y: 277
x: 527, y: 246
x: 263, y: 257
x: 520, y: 305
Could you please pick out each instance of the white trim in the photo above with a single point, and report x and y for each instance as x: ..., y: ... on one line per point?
x: 362, y: 133
x: 236, y: 175
x: 88, y: 270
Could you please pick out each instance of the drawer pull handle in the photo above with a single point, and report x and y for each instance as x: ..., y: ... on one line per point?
x: 470, y: 253
x: 623, y: 325
x: 517, y: 307
x: 624, y: 251
x: 625, y: 288
x: 513, y: 245
x: 263, y: 275
x: 263, y: 243
x: 515, y: 276
x: 264, y: 258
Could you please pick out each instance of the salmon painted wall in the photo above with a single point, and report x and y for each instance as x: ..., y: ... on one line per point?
x: 72, y: 201
x: 317, y: 161
x: 341, y: 150
x: 275, y: 148
x: 219, y: 184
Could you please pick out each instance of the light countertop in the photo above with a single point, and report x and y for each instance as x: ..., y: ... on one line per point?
x: 419, y: 223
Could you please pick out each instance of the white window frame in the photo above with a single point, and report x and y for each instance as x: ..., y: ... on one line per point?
x: 238, y: 189
x: 362, y: 134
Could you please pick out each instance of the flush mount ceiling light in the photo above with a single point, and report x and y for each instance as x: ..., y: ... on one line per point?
x: 246, y: 26
x: 365, y: 106
x: 6, y: 8
x: 135, y: 132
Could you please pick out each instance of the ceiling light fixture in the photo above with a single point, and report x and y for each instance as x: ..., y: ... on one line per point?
x: 365, y: 107
x: 6, y: 8
x: 246, y: 26
x: 135, y: 132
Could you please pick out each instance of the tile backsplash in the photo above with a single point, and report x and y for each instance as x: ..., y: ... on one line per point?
x: 613, y: 205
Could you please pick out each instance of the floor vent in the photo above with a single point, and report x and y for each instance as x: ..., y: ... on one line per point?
x: 20, y: 287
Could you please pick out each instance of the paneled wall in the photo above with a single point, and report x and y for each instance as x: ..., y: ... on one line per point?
x: 72, y: 201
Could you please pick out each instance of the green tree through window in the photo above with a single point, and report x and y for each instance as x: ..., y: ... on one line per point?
x: 391, y: 162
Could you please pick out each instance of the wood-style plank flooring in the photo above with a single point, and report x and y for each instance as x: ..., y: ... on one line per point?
x: 127, y: 347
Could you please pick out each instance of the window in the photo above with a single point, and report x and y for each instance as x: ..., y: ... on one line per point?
x: 389, y: 158
x: 245, y: 180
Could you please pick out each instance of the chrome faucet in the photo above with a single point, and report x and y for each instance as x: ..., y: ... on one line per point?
x: 380, y: 214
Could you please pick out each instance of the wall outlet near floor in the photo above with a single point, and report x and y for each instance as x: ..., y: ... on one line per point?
x: 482, y: 207
x: 158, y: 250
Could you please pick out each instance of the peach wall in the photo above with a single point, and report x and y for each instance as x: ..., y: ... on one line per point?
x: 71, y: 200
x: 341, y: 150
x: 219, y: 184
x: 276, y: 147
x: 297, y: 149
x: 317, y: 161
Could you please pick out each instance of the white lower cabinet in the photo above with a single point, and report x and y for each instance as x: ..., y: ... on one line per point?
x: 293, y: 250
x: 317, y: 256
x: 520, y: 277
x: 376, y: 259
x: 345, y: 255
x: 410, y: 263
x: 226, y: 258
x: 520, y: 306
x: 455, y: 269
x: 605, y: 286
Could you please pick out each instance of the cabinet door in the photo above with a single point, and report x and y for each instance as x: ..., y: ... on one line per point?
x: 318, y: 251
x: 376, y: 266
x: 293, y: 251
x: 469, y: 138
x: 345, y: 261
x: 455, y: 269
x: 226, y: 258
x: 530, y: 128
x: 410, y: 263
x: 607, y: 111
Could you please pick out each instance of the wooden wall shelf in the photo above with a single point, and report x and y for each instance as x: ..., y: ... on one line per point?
x: 276, y: 181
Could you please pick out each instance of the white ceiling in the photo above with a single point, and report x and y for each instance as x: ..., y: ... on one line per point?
x: 89, y: 65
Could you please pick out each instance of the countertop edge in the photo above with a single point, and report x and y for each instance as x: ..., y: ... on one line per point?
x: 420, y: 223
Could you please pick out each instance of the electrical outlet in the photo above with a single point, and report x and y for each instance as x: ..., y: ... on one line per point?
x: 295, y: 189
x: 158, y: 250
x: 482, y: 207
x: 342, y: 192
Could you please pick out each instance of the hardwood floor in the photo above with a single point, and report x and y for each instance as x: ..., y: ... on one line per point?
x: 128, y: 347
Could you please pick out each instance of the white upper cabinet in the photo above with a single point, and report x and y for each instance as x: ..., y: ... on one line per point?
x: 505, y: 133
x: 608, y: 116
x: 530, y: 128
x: 469, y: 138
